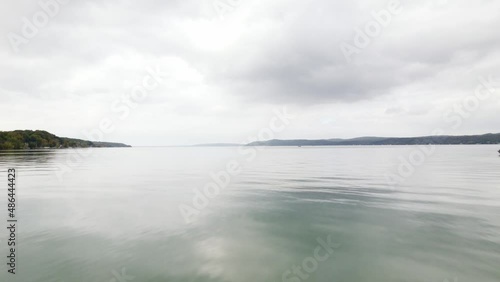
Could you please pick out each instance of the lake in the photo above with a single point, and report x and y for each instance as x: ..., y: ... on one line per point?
x: 273, y: 214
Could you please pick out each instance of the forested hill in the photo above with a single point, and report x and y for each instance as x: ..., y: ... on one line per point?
x: 29, y: 139
x: 439, y: 140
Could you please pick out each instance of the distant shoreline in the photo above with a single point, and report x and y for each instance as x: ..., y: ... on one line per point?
x: 485, y: 139
x: 40, y: 139
x: 26, y: 140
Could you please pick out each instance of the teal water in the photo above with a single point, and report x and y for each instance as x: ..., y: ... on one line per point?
x: 114, y: 215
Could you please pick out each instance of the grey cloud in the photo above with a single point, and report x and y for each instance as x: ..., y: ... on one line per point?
x: 265, y: 53
x: 304, y: 65
x: 293, y: 57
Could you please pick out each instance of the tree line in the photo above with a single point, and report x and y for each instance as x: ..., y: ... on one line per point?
x: 38, y: 139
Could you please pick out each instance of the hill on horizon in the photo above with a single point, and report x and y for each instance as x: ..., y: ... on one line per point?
x: 489, y: 138
x: 41, y: 139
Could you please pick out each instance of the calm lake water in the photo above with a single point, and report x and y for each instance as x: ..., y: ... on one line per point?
x: 115, y: 217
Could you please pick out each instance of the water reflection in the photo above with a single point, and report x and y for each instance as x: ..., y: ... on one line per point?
x: 119, y: 208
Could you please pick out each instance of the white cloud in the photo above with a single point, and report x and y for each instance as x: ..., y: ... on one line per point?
x: 226, y: 76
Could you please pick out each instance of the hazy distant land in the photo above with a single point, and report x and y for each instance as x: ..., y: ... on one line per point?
x: 372, y: 141
x: 39, y: 139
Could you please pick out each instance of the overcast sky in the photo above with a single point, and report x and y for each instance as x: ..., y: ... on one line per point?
x: 226, y: 65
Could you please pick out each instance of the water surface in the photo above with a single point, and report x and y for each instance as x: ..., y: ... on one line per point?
x: 117, y: 211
